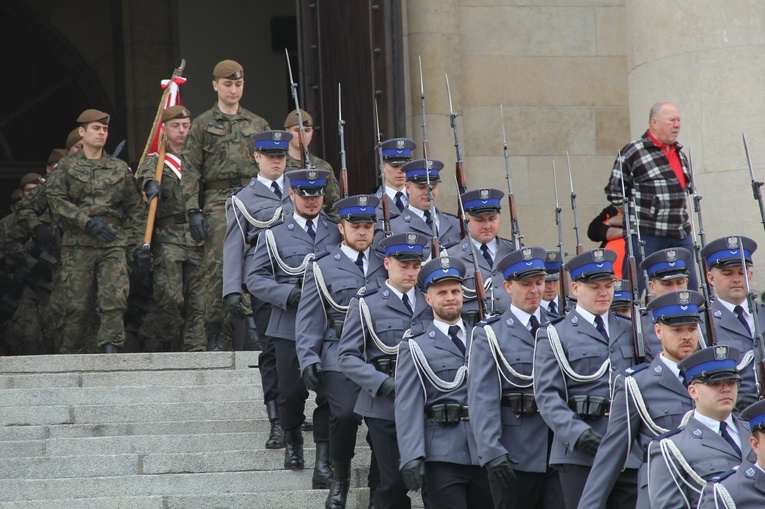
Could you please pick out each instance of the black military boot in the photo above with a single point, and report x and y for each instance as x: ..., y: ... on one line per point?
x: 110, y: 348
x: 215, y: 341
x: 338, y: 492
x: 293, y: 452
x: 276, y: 435
x: 322, y: 470
x: 251, y: 338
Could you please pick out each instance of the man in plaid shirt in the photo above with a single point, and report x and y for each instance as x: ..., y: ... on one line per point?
x: 656, y: 174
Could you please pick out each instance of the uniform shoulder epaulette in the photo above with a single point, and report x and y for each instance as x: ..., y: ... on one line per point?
x: 279, y: 222
x: 449, y: 246
x: 319, y: 256
x: 366, y: 292
x: 724, y: 475
x: 490, y: 319
x: 670, y: 433
x: 557, y: 319
x: 415, y: 334
x: 635, y: 369
x: 626, y: 317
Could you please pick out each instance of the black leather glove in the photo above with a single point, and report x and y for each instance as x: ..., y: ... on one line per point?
x: 311, y: 376
x: 142, y: 263
x: 41, y: 270
x: 99, y: 229
x: 197, y: 225
x: 294, y: 299
x: 413, y: 474
x: 45, y: 239
x: 234, y: 303
x: 152, y: 190
x: 501, y: 469
x: 388, y: 387
x: 588, y: 442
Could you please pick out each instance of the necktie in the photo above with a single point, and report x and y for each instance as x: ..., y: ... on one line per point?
x: 276, y: 190
x: 553, y: 307
x: 487, y: 254
x: 400, y: 200
x: 360, y: 262
x: 453, y: 331
x: 741, y: 318
x: 726, y: 436
x: 309, y: 229
x: 407, y: 305
x: 428, y: 219
x: 534, y: 323
x: 601, y: 327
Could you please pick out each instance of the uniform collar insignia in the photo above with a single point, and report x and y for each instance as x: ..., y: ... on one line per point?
x: 386, y: 293
x: 658, y: 369
x: 432, y: 334
x: 337, y: 256
x: 718, y: 313
x: 291, y: 226
x: 510, y: 322
x: 575, y: 320
x: 750, y: 472
x: 697, y: 432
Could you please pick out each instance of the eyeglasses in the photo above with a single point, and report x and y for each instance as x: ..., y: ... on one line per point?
x: 725, y: 382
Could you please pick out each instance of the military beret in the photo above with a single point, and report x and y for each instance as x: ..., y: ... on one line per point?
x: 228, y: 69
x: 416, y: 170
x: 73, y: 138
x: 482, y: 201
x: 592, y: 265
x: 522, y: 263
x: 726, y: 251
x: 677, y: 307
x: 16, y: 196
x: 92, y: 115
x: 358, y: 209
x: 55, y: 155
x: 667, y: 264
x: 174, y: 112
x: 755, y: 414
x: 553, y: 265
x: 622, y: 294
x: 718, y: 362
x: 405, y: 246
x: 440, y: 269
x: 272, y: 142
x: 29, y: 178
x: 292, y: 119
x: 398, y: 150
x: 308, y: 182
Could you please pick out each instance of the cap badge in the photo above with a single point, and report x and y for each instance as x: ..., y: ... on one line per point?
x: 683, y: 298
x: 445, y: 262
x: 552, y: 256
x: 277, y: 136
x: 598, y: 255
x: 732, y: 242
x: 428, y: 163
x: 671, y: 255
x: 312, y: 174
x: 721, y: 353
x: 411, y: 238
x: 618, y: 285
x: 526, y: 253
x: 399, y: 144
x: 485, y: 194
x: 238, y: 74
x: 363, y: 200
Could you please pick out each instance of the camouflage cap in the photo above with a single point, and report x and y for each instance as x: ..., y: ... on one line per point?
x: 175, y: 112
x: 292, y: 119
x: 29, y: 178
x: 228, y: 69
x: 92, y: 115
x: 72, y: 138
x: 55, y: 155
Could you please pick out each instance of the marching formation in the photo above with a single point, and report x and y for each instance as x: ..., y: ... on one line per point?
x: 488, y: 373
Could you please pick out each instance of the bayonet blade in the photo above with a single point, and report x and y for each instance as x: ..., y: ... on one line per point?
x: 289, y: 66
x: 449, y: 94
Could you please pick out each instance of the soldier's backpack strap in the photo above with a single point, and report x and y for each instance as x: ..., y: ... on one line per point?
x: 500, y: 360
x: 424, y: 370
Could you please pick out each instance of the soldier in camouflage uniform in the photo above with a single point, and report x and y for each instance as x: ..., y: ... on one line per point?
x: 96, y: 198
x: 11, y: 279
x: 177, y: 261
x: 218, y: 160
x: 296, y: 155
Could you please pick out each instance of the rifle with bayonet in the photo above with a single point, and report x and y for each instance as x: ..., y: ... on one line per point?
x: 480, y: 292
x: 579, y: 248
x: 563, y: 294
x: 515, y: 231
x: 459, y: 168
x: 641, y: 248
x: 759, y: 348
x: 755, y: 184
x: 381, y: 165
x: 341, y: 132
x: 425, y: 147
x: 301, y: 127
x: 637, y: 316
x: 435, y: 249
x: 701, y: 263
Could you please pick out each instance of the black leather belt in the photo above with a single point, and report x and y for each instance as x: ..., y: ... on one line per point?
x: 447, y: 414
x: 226, y: 183
x: 171, y: 220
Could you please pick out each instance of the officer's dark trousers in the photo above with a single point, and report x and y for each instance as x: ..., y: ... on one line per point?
x: 574, y: 477
x: 294, y: 394
x: 391, y: 492
x: 261, y: 312
x: 532, y: 490
x: 454, y: 486
x: 344, y: 423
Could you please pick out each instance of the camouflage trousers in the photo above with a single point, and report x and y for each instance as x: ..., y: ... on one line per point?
x: 32, y: 330
x: 215, y: 224
x: 93, y: 275
x: 177, y: 316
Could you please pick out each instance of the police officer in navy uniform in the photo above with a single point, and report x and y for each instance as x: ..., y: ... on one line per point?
x: 483, y: 208
x: 374, y: 326
x: 550, y: 301
x: 396, y: 153
x: 576, y: 359
x: 667, y: 272
x: 275, y: 274
x: 744, y: 486
x: 513, y: 440
x: 260, y: 204
x: 417, y: 217
x: 712, y: 440
x: 435, y: 436
x: 733, y: 321
x: 331, y: 281
x: 649, y: 399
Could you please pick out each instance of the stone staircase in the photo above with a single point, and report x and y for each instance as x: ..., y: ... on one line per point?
x: 147, y: 431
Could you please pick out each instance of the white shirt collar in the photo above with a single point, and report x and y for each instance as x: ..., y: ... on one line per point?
x: 411, y: 294
x: 301, y: 221
x: 714, y: 425
x: 493, y: 245
x: 392, y: 194
x: 421, y: 214
x: 591, y: 317
x: 444, y: 327
x: 523, y: 316
x: 352, y: 254
x: 280, y: 182
x: 672, y: 365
